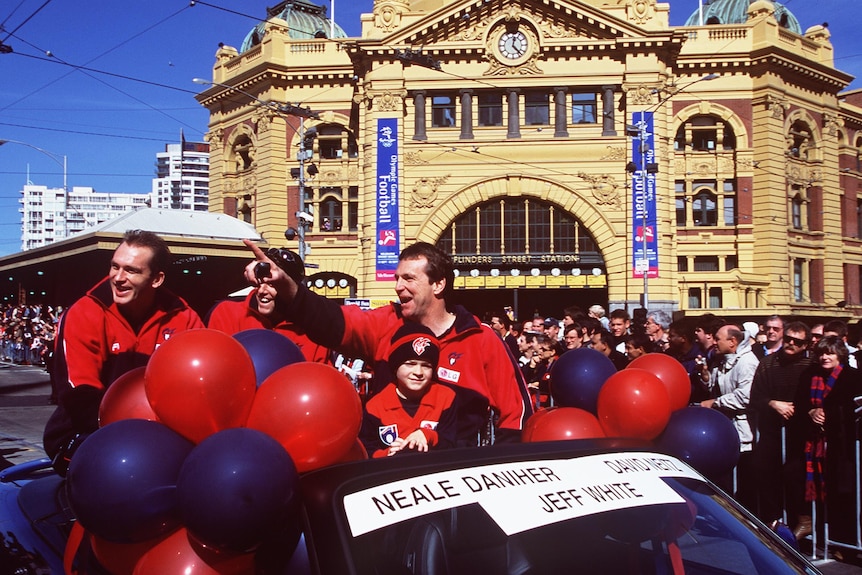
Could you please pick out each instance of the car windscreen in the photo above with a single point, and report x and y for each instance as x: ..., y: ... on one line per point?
x: 630, y: 513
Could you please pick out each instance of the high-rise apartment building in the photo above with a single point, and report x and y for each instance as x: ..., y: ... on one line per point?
x: 48, y: 216
x: 181, y: 183
x: 182, y: 177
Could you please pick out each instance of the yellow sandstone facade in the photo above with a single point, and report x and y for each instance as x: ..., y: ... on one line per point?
x: 518, y: 150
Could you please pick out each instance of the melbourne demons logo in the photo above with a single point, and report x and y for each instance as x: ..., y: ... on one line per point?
x: 420, y: 344
x: 388, y: 433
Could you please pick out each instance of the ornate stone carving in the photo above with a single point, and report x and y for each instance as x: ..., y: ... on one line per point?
x: 640, y: 11
x: 414, y: 158
x: 615, y: 153
x: 640, y: 95
x: 832, y: 124
x: 704, y: 167
x: 215, y: 137
x: 424, y: 192
x: 778, y: 105
x: 389, y: 101
x: 387, y: 15
x: 604, y: 188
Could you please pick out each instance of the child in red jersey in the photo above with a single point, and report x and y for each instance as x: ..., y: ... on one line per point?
x: 415, y: 413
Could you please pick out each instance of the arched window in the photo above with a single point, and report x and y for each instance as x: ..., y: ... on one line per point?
x: 515, y: 228
x: 335, y: 142
x: 705, y: 133
x: 704, y: 209
x: 242, y: 153
x: 799, y: 140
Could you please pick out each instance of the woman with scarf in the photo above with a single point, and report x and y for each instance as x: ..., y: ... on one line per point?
x: 827, y: 395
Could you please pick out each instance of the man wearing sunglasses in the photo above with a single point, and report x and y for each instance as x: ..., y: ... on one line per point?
x: 779, y: 451
x: 774, y: 329
x: 261, y: 309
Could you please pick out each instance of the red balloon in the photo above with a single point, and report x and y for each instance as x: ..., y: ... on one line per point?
x: 634, y: 403
x: 312, y: 410
x: 671, y: 373
x: 199, y: 382
x: 356, y: 453
x: 120, y: 558
x: 179, y: 555
x: 532, y: 421
x: 563, y: 423
x: 126, y: 398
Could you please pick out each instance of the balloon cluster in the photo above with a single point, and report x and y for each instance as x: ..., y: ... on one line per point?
x: 647, y: 400
x: 195, y: 467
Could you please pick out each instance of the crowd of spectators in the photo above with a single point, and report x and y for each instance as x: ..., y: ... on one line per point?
x: 27, y: 333
x: 791, y: 389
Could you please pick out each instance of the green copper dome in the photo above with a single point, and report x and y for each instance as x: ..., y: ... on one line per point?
x: 736, y: 12
x: 304, y: 22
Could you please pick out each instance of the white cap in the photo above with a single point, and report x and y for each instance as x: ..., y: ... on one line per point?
x: 751, y: 329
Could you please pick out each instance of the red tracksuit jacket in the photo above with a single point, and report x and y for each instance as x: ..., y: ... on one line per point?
x: 235, y: 316
x: 385, y: 419
x: 474, y: 361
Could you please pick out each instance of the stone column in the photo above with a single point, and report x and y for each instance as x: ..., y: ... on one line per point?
x: 608, y: 111
x: 419, y: 120
x: 466, y: 115
x: 513, y: 121
x: 561, y: 113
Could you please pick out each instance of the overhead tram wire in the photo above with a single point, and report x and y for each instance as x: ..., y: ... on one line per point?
x: 129, y: 39
x: 12, y: 13
x: 138, y: 100
x: 27, y: 19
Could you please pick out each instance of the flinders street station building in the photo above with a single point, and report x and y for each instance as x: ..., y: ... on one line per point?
x: 564, y: 152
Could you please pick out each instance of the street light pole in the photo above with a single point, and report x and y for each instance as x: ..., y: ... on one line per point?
x: 63, y: 164
x: 303, y: 218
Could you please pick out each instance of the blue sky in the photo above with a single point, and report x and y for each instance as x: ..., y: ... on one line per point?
x: 109, y: 127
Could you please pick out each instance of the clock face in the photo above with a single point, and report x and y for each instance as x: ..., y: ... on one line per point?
x: 513, y: 45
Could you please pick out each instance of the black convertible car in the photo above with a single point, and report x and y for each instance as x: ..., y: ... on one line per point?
x: 560, y: 507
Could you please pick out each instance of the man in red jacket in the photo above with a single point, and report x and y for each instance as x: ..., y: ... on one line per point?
x: 108, y: 332
x: 474, y: 362
x: 261, y: 310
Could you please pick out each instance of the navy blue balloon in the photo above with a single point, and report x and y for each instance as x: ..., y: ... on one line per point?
x: 704, y: 438
x: 269, y: 351
x: 236, y: 488
x: 122, y: 480
x: 578, y: 376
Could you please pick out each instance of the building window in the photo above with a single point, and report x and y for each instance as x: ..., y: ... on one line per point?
x: 537, y: 110
x: 859, y: 219
x: 800, y: 140
x: 679, y: 203
x: 681, y: 263
x: 796, y: 208
x: 584, y: 109
x: 490, y: 108
x: 331, y: 207
x: 701, y: 134
x: 706, y: 263
x: 731, y: 262
x: 518, y: 227
x: 798, y: 293
x: 694, y: 297
x: 730, y: 203
x: 715, y: 298
x: 443, y: 111
x: 704, y: 211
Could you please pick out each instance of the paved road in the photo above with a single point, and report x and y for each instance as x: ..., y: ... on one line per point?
x: 25, y: 408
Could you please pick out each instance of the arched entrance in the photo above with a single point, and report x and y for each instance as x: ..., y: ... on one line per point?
x: 527, y: 252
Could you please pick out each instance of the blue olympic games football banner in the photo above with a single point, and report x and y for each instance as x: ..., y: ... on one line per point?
x: 644, y: 240
x: 386, y: 198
